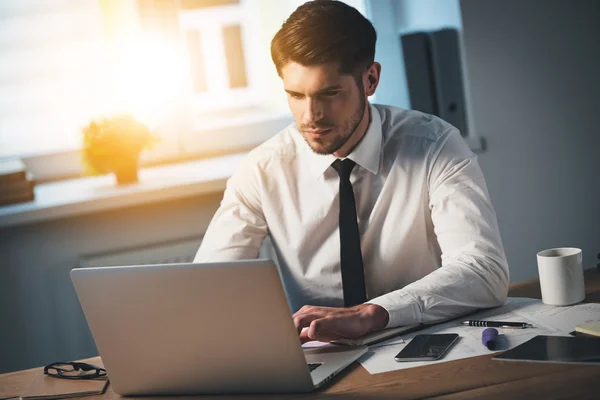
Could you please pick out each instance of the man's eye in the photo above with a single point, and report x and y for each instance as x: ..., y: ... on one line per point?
x: 296, y: 95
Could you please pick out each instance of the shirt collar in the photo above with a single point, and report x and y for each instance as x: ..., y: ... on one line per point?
x: 366, y: 154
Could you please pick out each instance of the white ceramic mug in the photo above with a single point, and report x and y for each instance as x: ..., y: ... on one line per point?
x: 561, y: 276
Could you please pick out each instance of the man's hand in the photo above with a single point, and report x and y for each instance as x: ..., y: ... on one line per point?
x: 329, y: 323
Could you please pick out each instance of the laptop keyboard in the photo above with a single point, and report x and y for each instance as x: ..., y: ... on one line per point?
x: 313, y: 366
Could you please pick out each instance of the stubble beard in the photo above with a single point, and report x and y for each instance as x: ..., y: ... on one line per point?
x: 329, y: 145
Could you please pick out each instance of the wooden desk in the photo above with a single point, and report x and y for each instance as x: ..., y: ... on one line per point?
x: 471, y: 378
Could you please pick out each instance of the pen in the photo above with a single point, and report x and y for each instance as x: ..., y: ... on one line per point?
x: 498, y: 324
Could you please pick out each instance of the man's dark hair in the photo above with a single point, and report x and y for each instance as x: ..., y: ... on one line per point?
x: 324, y: 31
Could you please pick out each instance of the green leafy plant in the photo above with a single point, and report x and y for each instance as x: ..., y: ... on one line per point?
x: 114, y: 144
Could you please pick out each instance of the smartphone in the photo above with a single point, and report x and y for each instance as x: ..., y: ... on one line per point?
x: 427, y: 347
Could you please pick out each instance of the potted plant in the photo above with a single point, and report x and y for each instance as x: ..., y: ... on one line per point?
x: 114, y: 145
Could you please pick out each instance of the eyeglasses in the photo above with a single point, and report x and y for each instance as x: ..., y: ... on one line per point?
x: 74, y: 370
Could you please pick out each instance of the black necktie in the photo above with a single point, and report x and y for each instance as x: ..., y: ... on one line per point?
x: 353, y: 277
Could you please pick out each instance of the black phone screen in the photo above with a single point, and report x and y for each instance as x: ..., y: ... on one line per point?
x: 427, y: 347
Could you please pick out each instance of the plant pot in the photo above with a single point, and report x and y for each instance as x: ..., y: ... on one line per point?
x: 127, y: 172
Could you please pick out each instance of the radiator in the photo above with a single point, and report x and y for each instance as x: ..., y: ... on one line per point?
x: 171, y: 252
x: 176, y: 251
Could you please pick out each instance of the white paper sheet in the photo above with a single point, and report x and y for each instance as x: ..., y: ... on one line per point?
x: 565, y: 319
x: 547, y: 320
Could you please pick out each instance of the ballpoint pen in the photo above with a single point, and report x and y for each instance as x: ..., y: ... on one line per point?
x: 498, y: 324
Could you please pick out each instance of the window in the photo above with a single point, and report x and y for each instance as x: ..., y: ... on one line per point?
x: 48, y: 65
x: 197, y: 71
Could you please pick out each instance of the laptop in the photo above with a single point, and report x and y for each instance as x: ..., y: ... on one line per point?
x: 177, y: 329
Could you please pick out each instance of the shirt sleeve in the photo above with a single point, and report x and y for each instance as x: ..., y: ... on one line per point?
x: 238, y: 228
x: 474, y: 272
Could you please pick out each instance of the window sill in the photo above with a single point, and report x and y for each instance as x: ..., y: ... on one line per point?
x: 80, y: 196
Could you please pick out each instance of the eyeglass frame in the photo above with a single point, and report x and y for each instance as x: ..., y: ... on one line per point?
x: 99, y: 372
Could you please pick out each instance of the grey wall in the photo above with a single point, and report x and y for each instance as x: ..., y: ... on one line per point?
x: 392, y: 18
x: 392, y: 87
x: 40, y: 318
x: 534, y: 77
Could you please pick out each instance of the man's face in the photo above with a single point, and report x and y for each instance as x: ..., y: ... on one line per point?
x: 327, y: 106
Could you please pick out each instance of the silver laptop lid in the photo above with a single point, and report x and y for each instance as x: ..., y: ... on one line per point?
x: 193, y: 328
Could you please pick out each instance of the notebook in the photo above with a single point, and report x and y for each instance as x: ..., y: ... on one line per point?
x: 379, y: 336
x: 592, y: 328
x: 389, y: 333
x: 47, y: 387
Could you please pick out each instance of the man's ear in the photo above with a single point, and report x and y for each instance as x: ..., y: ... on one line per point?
x: 372, y: 78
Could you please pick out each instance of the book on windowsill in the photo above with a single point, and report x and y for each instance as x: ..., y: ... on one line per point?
x: 17, y: 191
x: 18, y: 197
x: 12, y: 170
x: 17, y: 186
x: 46, y: 387
x: 592, y: 328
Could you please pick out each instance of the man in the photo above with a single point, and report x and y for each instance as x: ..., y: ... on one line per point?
x: 379, y: 216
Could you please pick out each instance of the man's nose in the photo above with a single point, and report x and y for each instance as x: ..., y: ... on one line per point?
x: 313, y: 111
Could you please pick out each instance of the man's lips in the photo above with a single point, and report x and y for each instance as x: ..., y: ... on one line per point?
x: 319, y: 132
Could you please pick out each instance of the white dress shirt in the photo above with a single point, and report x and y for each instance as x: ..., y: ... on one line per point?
x: 429, y: 237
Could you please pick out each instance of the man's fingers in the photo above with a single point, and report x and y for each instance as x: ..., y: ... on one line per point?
x: 304, y: 336
x: 327, y: 324
x: 303, y: 320
x: 307, y: 314
x: 313, y: 332
x: 323, y: 329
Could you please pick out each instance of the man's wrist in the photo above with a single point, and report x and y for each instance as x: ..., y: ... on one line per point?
x: 378, y: 315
